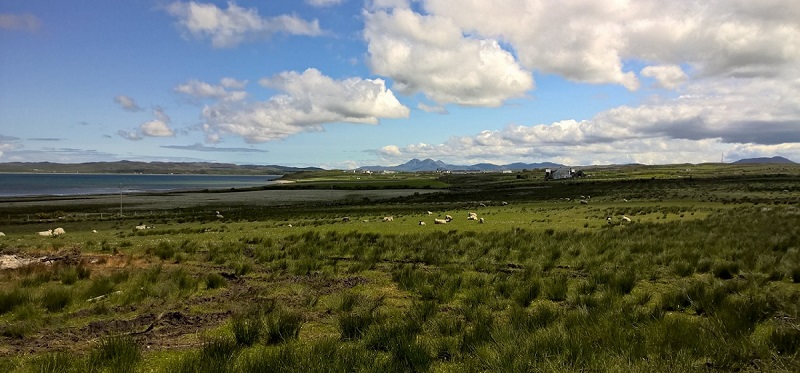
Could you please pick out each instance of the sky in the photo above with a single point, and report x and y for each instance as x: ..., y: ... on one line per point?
x: 349, y: 83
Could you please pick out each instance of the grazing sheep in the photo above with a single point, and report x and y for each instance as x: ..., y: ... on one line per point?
x: 608, y: 219
x: 584, y: 202
x: 448, y: 217
x: 47, y: 233
x: 480, y: 220
x: 58, y: 231
x: 345, y: 219
x: 626, y: 219
x: 439, y: 221
x: 140, y: 227
x: 219, y: 215
x: 504, y: 203
x: 388, y: 218
x: 430, y: 213
x: 624, y: 200
x: 289, y: 225
x: 482, y: 205
x: 2, y: 234
x: 94, y: 230
x: 421, y: 222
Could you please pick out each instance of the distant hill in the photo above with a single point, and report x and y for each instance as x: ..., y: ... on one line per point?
x: 776, y: 159
x: 429, y: 165
x: 129, y: 167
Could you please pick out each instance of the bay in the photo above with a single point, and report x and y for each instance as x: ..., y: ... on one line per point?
x: 60, y: 184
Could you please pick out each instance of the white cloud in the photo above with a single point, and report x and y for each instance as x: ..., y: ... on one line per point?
x: 229, y: 27
x: 438, y: 109
x: 589, y: 41
x: 127, y: 103
x: 323, y: 3
x: 201, y: 90
x: 430, y: 54
x: 310, y: 100
x: 158, y: 127
x: 712, y: 116
x: 667, y: 76
x: 20, y: 22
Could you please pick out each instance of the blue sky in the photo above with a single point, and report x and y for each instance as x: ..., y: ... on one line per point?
x: 347, y: 83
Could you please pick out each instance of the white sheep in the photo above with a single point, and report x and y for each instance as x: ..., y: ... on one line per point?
x: 421, y: 222
x: 439, y: 221
x: 58, y: 231
x: 345, y: 219
x: 504, y: 203
x: 388, y: 218
x: 472, y: 216
x: 608, y: 219
x: 482, y: 205
x: 140, y: 227
x: 430, y: 213
x: 448, y: 217
x: 480, y: 220
x: 47, y: 233
x: 626, y: 219
x: 584, y: 202
x: 218, y: 215
x: 2, y: 234
x: 94, y: 230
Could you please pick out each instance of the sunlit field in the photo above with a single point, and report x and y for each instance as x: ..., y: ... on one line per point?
x: 632, y: 269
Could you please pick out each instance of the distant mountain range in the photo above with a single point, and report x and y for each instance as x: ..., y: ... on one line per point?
x: 776, y: 159
x: 122, y: 167
x: 428, y: 165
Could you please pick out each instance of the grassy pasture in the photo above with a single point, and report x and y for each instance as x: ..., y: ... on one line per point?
x: 706, y: 276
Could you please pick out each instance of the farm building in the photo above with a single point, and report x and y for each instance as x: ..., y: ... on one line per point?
x: 561, y: 173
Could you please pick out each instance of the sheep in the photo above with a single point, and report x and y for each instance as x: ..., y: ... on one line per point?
x: 2, y: 234
x: 94, y: 230
x: 626, y: 219
x: 289, y: 225
x: 345, y: 219
x: 58, y: 231
x: 140, y: 227
x: 448, y: 217
x: 388, y: 218
x: 430, y: 213
x: 47, y: 233
x: 504, y: 203
x: 472, y: 216
x: 584, y: 202
x: 608, y: 219
x: 480, y: 220
x: 439, y: 221
x: 421, y: 222
x: 218, y: 215
x: 624, y: 200
x: 482, y: 205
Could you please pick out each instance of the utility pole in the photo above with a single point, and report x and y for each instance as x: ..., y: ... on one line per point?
x: 120, y: 201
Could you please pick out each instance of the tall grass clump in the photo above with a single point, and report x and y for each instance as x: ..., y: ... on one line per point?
x: 9, y: 300
x: 247, y: 328
x: 217, y: 355
x: 55, y: 299
x: 116, y: 353
x: 282, y: 326
x: 214, y: 281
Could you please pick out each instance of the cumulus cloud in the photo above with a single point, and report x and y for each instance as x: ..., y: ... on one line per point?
x: 8, y: 143
x: 127, y: 103
x: 667, y: 76
x: 20, y: 22
x: 203, y: 90
x: 438, y: 109
x: 158, y: 127
x: 710, y: 117
x: 226, y: 28
x: 310, y: 99
x: 430, y: 54
x: 590, y: 41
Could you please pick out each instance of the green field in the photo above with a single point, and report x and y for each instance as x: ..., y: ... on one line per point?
x: 705, y: 275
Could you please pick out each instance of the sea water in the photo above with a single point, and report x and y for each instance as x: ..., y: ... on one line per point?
x: 60, y: 184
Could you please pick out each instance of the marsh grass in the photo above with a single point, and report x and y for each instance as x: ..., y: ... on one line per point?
x: 115, y: 354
